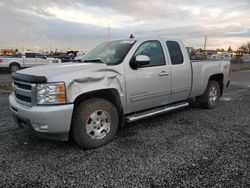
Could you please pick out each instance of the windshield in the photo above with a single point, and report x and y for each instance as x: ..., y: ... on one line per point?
x: 111, y: 53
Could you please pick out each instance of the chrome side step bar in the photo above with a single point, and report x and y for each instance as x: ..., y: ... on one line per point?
x: 135, y: 117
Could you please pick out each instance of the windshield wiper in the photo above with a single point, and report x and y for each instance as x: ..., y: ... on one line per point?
x: 93, y: 60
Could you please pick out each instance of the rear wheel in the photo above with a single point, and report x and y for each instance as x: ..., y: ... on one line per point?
x: 211, y: 96
x: 14, y: 67
x: 95, y: 123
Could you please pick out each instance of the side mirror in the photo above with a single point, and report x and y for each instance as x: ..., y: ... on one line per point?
x: 139, y: 61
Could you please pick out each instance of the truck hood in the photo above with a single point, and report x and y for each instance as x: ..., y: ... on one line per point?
x: 49, y: 71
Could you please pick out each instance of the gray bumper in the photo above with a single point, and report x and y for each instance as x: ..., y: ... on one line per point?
x: 51, y: 122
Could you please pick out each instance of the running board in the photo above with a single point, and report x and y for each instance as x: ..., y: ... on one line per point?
x: 135, y: 117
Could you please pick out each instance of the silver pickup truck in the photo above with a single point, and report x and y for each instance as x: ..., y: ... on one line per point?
x: 118, y: 81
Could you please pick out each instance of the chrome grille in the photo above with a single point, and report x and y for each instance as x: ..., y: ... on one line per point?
x: 25, y: 92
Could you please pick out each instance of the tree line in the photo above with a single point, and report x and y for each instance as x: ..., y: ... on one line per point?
x: 245, y: 48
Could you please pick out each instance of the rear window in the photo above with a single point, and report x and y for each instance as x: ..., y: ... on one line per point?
x: 175, y: 52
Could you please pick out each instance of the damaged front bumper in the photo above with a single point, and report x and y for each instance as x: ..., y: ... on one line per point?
x: 52, y: 122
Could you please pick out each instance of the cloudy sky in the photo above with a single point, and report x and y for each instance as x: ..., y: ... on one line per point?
x: 80, y: 24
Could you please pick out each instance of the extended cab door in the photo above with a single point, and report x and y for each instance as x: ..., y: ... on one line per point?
x: 41, y: 59
x: 181, y: 71
x: 35, y: 59
x: 149, y: 85
x: 29, y: 59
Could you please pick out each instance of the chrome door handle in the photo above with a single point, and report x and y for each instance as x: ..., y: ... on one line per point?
x: 164, y: 73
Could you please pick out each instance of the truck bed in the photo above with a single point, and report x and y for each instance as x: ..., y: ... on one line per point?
x: 202, y: 69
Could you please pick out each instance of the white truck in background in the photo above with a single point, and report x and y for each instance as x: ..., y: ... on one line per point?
x: 29, y: 59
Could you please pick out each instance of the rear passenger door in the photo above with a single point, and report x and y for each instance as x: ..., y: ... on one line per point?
x: 181, y: 71
x: 30, y: 59
x: 41, y: 59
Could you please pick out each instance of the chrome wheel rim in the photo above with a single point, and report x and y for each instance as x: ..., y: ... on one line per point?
x: 213, y: 95
x: 98, y: 124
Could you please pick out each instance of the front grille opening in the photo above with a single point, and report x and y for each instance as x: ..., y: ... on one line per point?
x: 23, y: 86
x: 23, y: 98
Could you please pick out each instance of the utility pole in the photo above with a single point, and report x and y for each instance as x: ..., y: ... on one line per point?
x: 205, y: 43
x: 70, y: 38
x: 50, y: 44
x: 109, y: 32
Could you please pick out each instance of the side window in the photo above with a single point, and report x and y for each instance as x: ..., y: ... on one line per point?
x: 41, y: 56
x: 175, y: 52
x: 30, y: 55
x: 153, y: 50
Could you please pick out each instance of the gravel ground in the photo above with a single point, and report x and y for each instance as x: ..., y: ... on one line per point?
x: 187, y: 148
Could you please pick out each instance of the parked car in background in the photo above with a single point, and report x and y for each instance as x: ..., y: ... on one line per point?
x: 79, y: 57
x: 29, y: 59
x: 246, y: 58
x: 66, y: 56
x: 220, y: 55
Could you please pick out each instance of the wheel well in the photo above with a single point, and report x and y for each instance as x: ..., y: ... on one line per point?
x: 110, y: 95
x: 218, y: 78
x: 14, y: 63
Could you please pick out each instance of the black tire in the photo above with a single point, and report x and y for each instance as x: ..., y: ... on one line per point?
x: 82, y: 120
x: 212, y: 95
x: 14, y: 67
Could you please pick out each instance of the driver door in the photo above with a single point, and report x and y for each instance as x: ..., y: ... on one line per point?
x: 149, y: 85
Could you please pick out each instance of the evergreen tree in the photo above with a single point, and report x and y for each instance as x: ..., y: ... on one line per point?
x: 230, y: 49
x: 245, y: 48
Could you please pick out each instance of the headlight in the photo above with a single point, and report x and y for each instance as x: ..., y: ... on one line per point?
x: 51, y: 93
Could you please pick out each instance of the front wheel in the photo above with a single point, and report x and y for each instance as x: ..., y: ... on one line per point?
x: 95, y: 123
x: 211, y: 96
x: 14, y: 67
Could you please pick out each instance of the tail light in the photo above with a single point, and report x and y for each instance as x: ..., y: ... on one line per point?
x: 1, y: 60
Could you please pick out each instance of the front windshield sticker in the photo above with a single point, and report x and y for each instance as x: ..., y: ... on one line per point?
x: 127, y: 42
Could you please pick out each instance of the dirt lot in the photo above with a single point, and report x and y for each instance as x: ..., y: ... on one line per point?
x: 188, y: 148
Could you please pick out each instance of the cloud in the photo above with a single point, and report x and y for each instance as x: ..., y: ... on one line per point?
x: 241, y: 32
x: 31, y: 23
x: 87, y: 16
